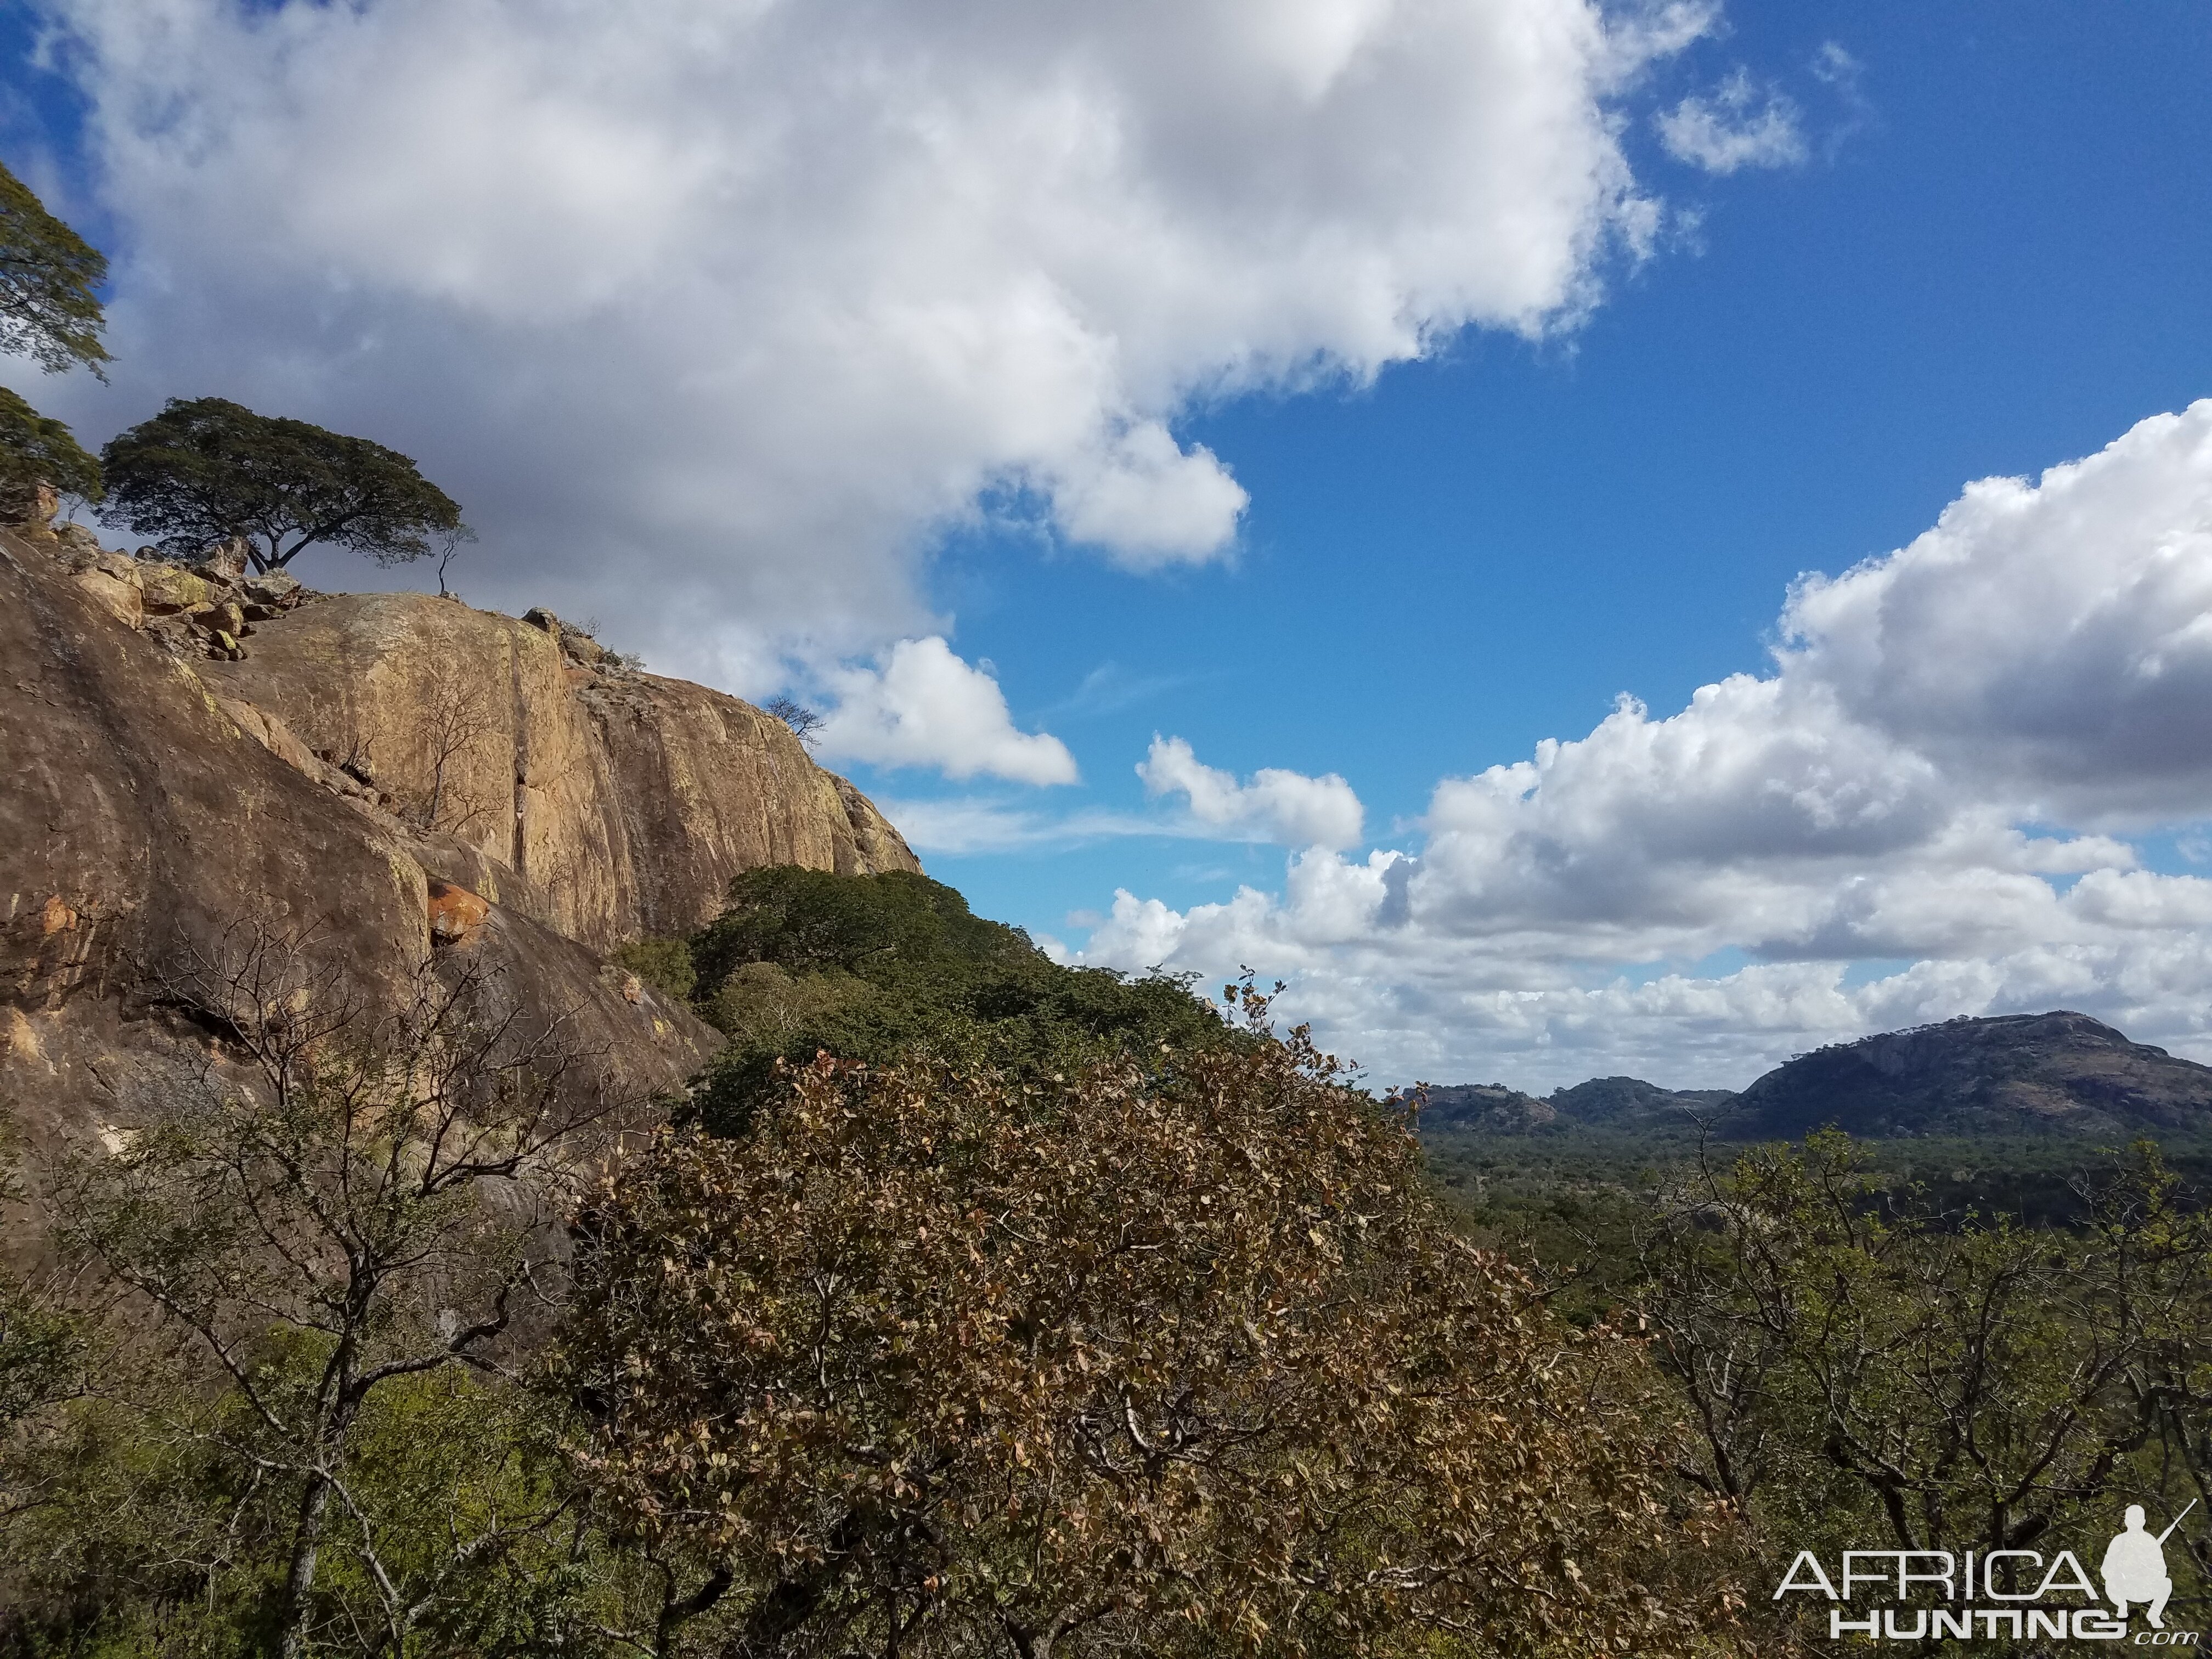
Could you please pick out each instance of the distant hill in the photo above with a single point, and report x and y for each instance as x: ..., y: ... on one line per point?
x: 2018, y: 1074
x: 1485, y: 1109
x: 1630, y: 1103
x: 1606, y: 1102
x: 2032, y: 1075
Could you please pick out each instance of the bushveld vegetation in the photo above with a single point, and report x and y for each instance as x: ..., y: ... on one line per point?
x: 978, y: 1305
x: 1046, y: 1311
x: 985, y: 1306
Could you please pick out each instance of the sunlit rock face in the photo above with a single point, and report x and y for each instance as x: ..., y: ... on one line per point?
x: 391, y: 781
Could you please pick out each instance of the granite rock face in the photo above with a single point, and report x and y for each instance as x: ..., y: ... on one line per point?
x: 615, y: 804
x: 395, y: 784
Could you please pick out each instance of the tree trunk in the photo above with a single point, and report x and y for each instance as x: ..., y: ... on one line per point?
x: 300, y: 1581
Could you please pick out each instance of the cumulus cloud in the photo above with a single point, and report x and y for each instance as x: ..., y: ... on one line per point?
x: 922, y: 706
x: 1939, y: 772
x: 1276, y: 805
x: 712, y: 315
x: 2052, y: 640
x: 1739, y: 125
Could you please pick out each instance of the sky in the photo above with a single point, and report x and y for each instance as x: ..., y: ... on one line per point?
x: 1585, y: 540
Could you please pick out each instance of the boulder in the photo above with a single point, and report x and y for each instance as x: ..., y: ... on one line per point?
x: 168, y: 588
x: 119, y: 597
x: 78, y: 538
x: 455, y: 912
x: 272, y: 587
x: 224, y: 561
x: 32, y: 508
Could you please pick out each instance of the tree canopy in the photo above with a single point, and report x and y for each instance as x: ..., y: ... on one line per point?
x: 205, y: 468
x: 870, y: 967
x: 1161, y: 1359
x: 49, y: 311
x: 35, y: 450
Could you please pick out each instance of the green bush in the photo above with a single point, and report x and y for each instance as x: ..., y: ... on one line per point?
x: 663, y: 964
x: 869, y: 968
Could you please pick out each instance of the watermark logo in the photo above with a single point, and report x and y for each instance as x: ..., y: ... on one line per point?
x: 2135, y: 1567
x: 1936, y: 1595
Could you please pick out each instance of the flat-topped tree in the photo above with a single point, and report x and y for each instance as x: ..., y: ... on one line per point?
x: 207, y: 469
x: 48, y: 310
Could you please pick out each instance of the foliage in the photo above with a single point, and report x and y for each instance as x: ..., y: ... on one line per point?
x: 49, y: 309
x: 1157, y: 1359
x: 35, y: 450
x: 1862, y: 1373
x: 664, y: 963
x: 178, y: 1540
x: 367, y: 1205
x: 867, y: 967
x: 207, y: 469
x: 41, y: 1345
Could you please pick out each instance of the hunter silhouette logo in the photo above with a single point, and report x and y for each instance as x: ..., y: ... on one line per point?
x: 2134, y: 1566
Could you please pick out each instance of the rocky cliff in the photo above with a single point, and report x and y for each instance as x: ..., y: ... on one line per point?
x: 613, y: 803
x: 194, y: 757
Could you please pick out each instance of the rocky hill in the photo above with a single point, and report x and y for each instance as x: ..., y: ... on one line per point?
x: 1485, y: 1109
x: 197, y: 756
x: 2023, y: 1075
x: 1624, y: 1102
x: 1603, y: 1103
x: 2057, y: 1073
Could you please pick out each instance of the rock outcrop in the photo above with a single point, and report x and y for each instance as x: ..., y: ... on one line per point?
x: 2055, y: 1073
x: 610, y: 804
x: 196, y: 755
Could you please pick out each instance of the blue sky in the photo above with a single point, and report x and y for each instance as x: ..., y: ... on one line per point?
x: 2005, y: 262
x: 1974, y: 245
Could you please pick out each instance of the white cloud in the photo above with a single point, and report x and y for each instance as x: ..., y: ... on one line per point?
x: 1740, y: 125
x: 711, y: 313
x: 1153, y: 503
x: 970, y: 825
x: 922, y: 706
x: 1276, y: 805
x: 1934, y: 774
x: 2050, y: 640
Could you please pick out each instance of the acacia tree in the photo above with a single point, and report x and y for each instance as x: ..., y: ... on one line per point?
x: 366, y: 1205
x: 49, y: 309
x: 207, y: 469
x: 1170, y: 1358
